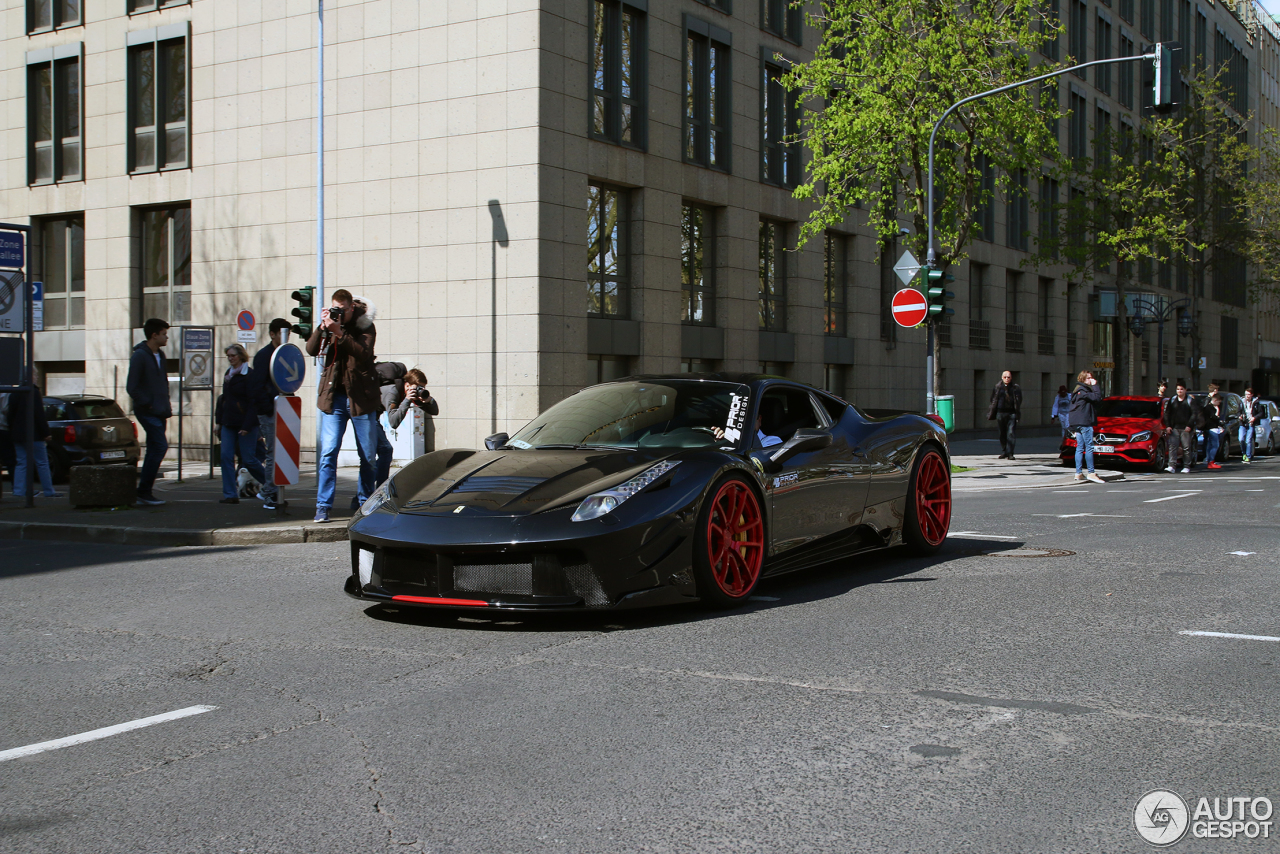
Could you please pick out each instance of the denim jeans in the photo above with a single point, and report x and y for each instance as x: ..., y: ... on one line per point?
x: 332, y: 427
x: 385, y: 452
x: 1247, y: 438
x: 267, y: 429
x: 1211, y: 441
x: 1006, y: 423
x: 157, y: 445
x: 246, y: 445
x: 41, y: 453
x: 1084, y: 448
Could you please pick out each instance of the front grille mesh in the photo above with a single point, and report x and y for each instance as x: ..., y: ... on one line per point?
x: 585, y: 584
x: 514, y: 578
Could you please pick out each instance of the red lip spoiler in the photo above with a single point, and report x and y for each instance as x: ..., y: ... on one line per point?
x: 436, y: 600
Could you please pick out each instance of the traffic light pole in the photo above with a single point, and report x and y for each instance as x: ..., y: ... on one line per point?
x: 1160, y: 53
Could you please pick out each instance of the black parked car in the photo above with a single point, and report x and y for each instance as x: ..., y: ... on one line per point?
x: 88, y: 430
x: 653, y: 490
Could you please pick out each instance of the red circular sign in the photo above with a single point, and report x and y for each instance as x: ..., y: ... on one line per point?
x: 245, y: 320
x: 909, y: 307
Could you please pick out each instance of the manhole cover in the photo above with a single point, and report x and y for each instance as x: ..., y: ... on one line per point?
x: 1031, y: 551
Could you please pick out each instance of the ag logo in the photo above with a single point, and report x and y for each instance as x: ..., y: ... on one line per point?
x: 1161, y: 817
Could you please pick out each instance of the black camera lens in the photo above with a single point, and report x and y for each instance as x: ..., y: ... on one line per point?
x: 335, y: 313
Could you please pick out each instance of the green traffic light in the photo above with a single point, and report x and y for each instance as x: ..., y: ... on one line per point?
x: 935, y: 281
x: 305, y: 297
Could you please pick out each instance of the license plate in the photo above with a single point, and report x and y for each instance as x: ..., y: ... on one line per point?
x: 1104, y: 449
x: 112, y: 455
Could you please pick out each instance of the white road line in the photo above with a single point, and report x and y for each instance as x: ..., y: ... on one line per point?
x: 976, y: 534
x: 1170, y: 497
x: 105, y: 732
x: 1077, y: 515
x: 1230, y: 635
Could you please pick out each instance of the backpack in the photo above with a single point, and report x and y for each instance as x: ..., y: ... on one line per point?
x: 389, y: 372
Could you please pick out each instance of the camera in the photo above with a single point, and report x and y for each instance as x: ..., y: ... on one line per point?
x: 335, y: 314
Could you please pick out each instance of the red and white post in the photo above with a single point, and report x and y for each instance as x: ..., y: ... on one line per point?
x: 288, y: 444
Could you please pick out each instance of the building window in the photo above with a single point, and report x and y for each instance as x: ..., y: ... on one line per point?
x: 54, y: 110
x: 780, y: 126
x: 1230, y: 342
x: 1184, y: 25
x: 52, y: 14
x: 1124, y: 89
x: 697, y: 266
x: 604, y: 369
x: 707, y: 79
x: 608, y: 252
x: 782, y: 18
x: 1166, y: 20
x: 833, y: 380
x: 136, y: 6
x: 1147, y: 19
x: 1049, y: 26
x: 773, y: 275
x: 1126, y: 10
x: 1018, y: 219
x: 1233, y: 70
x: 1102, y: 50
x: 1048, y: 235
x: 158, y: 100
x: 1078, y: 34
x: 697, y: 366
x: 725, y: 6
x: 618, y: 82
x: 58, y: 261
x: 835, y: 271
x: 1202, y: 40
x: 166, y: 264
x: 1078, y: 129
x: 984, y: 220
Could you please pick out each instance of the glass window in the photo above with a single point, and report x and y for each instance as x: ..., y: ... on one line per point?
x: 1051, y: 20
x: 52, y: 14
x: 58, y: 261
x: 604, y: 369
x: 1018, y: 218
x: 1078, y: 34
x: 1102, y: 50
x: 707, y: 79
x: 158, y: 105
x: 780, y: 127
x: 1147, y: 18
x: 166, y: 264
x: 984, y: 219
x: 835, y: 271
x: 54, y: 105
x: 1124, y: 73
x: 136, y: 6
x: 618, y: 83
x: 697, y: 266
x: 773, y: 275
x: 608, y: 260
x: 1049, y: 214
x: 782, y: 18
x: 1126, y: 10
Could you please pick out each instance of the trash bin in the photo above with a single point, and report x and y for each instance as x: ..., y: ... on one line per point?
x: 946, y: 407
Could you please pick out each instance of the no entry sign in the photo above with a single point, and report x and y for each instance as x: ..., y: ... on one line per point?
x: 909, y: 307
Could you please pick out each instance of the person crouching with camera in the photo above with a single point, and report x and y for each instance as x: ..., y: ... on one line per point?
x: 415, y: 394
x: 348, y: 391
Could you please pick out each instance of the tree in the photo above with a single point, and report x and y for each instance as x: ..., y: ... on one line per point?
x: 884, y: 71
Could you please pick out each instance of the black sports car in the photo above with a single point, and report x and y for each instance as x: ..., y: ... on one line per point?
x: 653, y: 490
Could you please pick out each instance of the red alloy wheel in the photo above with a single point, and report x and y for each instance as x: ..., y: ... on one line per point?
x: 735, y: 538
x: 933, y: 499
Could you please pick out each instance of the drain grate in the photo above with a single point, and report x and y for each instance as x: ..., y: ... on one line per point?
x: 1030, y: 551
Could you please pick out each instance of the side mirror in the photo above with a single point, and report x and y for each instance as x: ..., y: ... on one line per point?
x: 496, y: 441
x: 805, y: 439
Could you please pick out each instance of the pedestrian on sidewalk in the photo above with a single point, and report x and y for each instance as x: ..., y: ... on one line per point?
x: 237, y: 420
x: 19, y: 404
x: 417, y: 396
x: 1251, y: 415
x: 1061, y: 409
x: 264, y: 402
x: 1214, y: 430
x: 390, y: 394
x: 348, y: 391
x: 1005, y: 410
x: 1182, y: 417
x: 148, y: 387
x: 1083, y: 419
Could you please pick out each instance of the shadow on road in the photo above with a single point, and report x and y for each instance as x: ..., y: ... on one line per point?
x: 32, y: 557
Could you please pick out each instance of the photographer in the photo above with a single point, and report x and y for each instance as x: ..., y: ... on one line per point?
x: 415, y: 394
x: 348, y: 390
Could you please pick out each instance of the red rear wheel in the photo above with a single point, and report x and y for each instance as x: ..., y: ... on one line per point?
x: 929, y: 503
x: 730, y: 548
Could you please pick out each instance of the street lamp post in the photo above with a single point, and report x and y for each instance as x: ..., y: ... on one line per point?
x: 1158, y: 311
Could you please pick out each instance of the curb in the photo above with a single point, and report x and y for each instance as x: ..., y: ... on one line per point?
x: 171, y: 536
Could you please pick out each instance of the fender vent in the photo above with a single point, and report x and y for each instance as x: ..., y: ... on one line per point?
x: 498, y: 485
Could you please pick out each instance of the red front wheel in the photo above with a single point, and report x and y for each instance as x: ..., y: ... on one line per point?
x: 729, y: 552
x: 928, y: 503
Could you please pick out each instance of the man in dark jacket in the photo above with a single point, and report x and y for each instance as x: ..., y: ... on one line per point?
x: 1183, y: 418
x: 1082, y: 418
x: 1253, y: 413
x: 1006, y: 409
x: 264, y: 401
x: 348, y: 391
x: 20, y: 404
x: 148, y: 387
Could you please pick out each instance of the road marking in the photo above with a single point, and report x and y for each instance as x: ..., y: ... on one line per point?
x: 1230, y: 635
x: 1242, y: 554
x: 1077, y: 515
x: 976, y: 534
x: 1255, y: 490
x: 105, y: 732
x: 1170, y: 497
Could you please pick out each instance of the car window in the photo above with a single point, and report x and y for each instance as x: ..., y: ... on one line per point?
x: 783, y: 411
x: 835, y: 408
x: 56, y: 410
x: 89, y: 409
x: 1114, y: 408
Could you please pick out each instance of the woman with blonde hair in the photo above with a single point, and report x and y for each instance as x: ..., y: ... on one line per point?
x: 237, y: 421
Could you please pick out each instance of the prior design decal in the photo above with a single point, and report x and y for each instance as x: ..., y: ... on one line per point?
x: 785, y: 479
x: 737, y: 417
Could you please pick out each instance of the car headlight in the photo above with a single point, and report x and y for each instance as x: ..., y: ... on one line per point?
x: 382, y: 495
x: 1140, y: 437
x: 605, y: 501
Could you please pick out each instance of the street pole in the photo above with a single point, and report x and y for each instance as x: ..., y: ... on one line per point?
x: 317, y: 301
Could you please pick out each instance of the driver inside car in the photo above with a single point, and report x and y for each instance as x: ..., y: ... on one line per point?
x: 766, y: 440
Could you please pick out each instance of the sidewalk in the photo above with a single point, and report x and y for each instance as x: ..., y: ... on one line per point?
x: 1036, y: 464
x: 191, y: 515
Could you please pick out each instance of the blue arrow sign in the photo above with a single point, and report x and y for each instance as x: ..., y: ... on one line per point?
x: 288, y: 367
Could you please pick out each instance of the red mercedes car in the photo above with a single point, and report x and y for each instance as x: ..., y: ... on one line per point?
x: 1129, y: 430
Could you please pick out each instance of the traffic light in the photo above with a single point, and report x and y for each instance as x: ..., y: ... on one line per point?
x: 1168, y: 62
x: 305, y: 297
x: 936, y: 291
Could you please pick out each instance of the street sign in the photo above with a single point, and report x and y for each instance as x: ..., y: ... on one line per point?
x: 37, y: 306
x: 907, y: 267
x: 288, y: 437
x: 12, y: 252
x: 12, y: 305
x: 909, y: 307
x: 245, y: 320
x: 197, y: 338
x: 288, y: 367
x: 197, y: 369
x: 245, y: 331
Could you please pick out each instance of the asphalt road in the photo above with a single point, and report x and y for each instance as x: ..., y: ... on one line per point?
x: 976, y: 701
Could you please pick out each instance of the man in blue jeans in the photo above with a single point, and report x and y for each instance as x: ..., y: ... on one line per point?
x: 348, y: 392
x: 148, y: 387
x: 1082, y: 420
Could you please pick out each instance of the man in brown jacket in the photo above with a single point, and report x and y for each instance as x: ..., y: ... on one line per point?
x: 348, y: 392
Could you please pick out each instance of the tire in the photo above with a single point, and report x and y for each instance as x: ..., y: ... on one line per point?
x: 1271, y: 444
x: 928, y: 503
x: 1161, y: 459
x: 730, y: 544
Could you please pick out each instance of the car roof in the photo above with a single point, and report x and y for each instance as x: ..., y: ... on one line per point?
x: 714, y: 376
x: 79, y: 398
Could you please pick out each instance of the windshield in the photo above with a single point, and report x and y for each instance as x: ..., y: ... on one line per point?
x: 1112, y: 408
x: 663, y: 414
x: 81, y: 410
